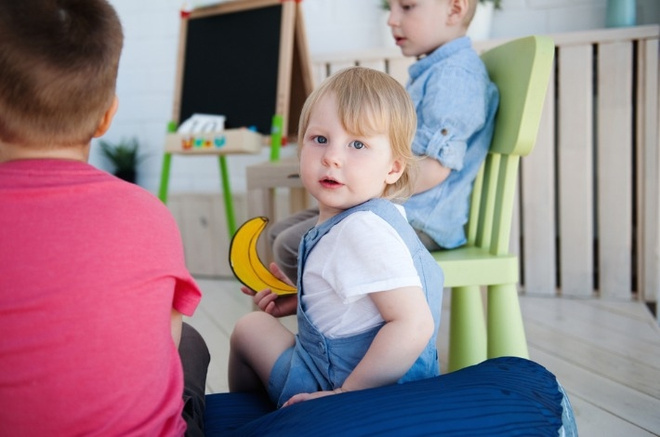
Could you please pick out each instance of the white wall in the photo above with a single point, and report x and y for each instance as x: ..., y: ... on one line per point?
x: 146, y: 74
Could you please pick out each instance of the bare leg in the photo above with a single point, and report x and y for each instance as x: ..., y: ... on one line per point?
x: 256, y: 343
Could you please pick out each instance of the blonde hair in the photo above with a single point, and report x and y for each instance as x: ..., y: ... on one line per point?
x: 58, y: 69
x: 372, y: 103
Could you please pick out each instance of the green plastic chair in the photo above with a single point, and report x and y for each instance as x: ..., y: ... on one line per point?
x: 521, y: 69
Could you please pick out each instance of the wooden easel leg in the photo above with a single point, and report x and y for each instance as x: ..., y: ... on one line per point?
x: 165, y: 177
x: 226, y: 193
x: 467, y: 328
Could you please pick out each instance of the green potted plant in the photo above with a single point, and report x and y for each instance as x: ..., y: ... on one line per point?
x: 124, y: 157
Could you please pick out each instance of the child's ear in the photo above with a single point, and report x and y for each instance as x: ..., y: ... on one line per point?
x: 395, y: 172
x: 457, y: 11
x: 106, y: 120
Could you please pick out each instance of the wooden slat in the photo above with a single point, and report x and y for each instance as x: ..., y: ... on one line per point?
x: 648, y: 156
x: 487, y: 208
x: 337, y: 66
x: 564, y: 39
x: 514, y: 233
x: 638, y: 408
x: 538, y: 205
x: 587, y: 343
x: 614, y: 160
x: 203, y: 227
x: 598, y: 359
x: 575, y: 169
x: 598, y: 328
x: 398, y: 68
x: 509, y: 170
x: 596, y: 421
x: 194, y: 220
x: 285, y: 62
x: 319, y: 72
x: 377, y: 64
x: 605, y: 35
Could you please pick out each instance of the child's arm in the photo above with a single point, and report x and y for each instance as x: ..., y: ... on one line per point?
x: 177, y: 326
x: 431, y: 173
x: 408, y: 328
x: 453, y: 108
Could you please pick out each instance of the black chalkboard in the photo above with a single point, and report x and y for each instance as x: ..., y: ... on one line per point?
x: 230, y: 62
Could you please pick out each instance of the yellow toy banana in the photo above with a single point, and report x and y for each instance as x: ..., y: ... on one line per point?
x: 246, y: 264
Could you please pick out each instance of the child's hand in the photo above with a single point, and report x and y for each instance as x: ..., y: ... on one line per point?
x: 279, y: 274
x: 271, y: 303
x: 301, y: 397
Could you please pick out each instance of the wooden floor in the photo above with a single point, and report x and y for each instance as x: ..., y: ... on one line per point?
x: 606, y: 354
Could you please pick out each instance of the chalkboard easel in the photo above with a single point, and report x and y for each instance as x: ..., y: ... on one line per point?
x: 247, y: 60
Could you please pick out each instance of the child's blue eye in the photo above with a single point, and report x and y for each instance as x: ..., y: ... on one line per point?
x: 357, y: 144
x: 320, y: 139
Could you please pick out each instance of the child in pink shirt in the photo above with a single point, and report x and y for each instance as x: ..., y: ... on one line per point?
x: 92, y: 271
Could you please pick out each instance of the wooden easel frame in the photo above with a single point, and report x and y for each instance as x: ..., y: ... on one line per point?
x: 294, y: 83
x: 294, y: 77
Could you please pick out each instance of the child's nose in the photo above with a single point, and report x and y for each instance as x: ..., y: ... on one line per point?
x: 332, y: 156
x: 391, y: 19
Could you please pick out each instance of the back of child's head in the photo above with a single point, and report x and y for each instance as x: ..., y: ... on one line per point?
x: 58, y: 69
x: 372, y: 103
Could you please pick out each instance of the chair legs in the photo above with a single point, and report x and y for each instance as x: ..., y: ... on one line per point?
x: 506, y: 333
x: 469, y: 341
x: 467, y: 328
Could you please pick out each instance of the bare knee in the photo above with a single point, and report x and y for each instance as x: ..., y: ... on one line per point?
x: 256, y: 342
x: 247, y: 329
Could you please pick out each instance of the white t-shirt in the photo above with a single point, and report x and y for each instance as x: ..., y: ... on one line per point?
x: 362, y: 254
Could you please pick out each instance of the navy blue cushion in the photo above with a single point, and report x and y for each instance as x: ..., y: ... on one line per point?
x: 502, y: 396
x: 228, y: 411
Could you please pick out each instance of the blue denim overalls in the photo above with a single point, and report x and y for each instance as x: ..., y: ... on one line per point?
x: 318, y: 363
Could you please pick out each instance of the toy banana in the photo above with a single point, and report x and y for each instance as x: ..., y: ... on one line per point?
x: 245, y: 262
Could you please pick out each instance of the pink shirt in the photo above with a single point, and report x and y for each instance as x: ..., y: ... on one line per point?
x: 90, y: 268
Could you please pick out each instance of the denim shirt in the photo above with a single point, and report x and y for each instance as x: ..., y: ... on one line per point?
x: 455, y: 102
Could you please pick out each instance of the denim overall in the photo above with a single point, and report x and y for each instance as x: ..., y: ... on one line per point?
x: 318, y: 363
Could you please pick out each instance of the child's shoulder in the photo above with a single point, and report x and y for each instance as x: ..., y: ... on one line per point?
x: 456, y: 59
x: 378, y: 217
x: 365, y: 230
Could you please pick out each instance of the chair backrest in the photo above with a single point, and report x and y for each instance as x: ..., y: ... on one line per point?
x: 521, y: 70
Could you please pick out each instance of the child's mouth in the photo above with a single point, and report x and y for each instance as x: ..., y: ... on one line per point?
x: 326, y: 182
